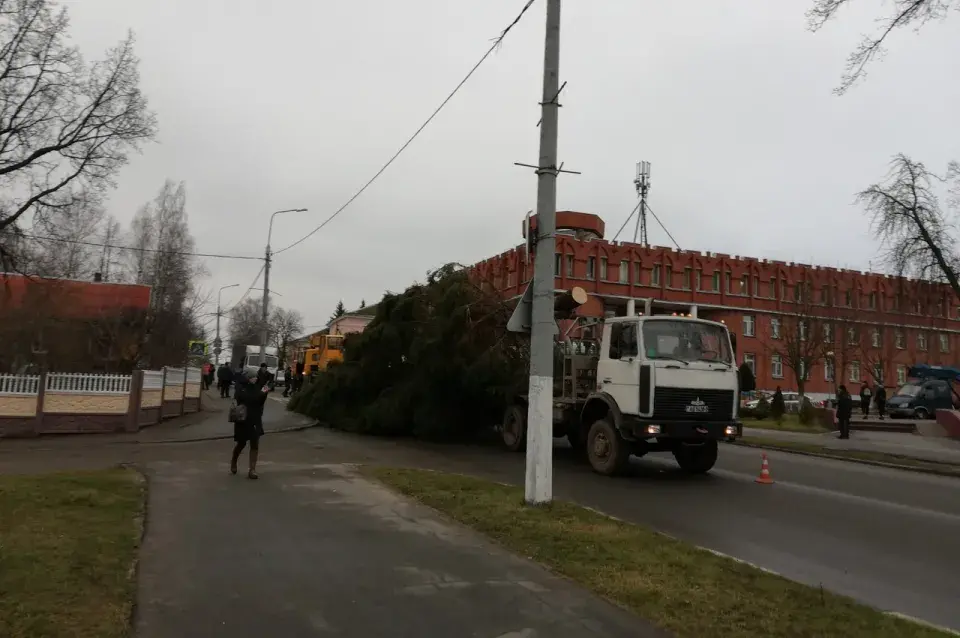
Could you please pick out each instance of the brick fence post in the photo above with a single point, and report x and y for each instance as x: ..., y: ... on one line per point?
x: 136, y: 396
x: 41, y: 393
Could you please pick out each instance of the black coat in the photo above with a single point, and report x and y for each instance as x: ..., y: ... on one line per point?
x: 844, y: 406
x: 224, y: 374
x: 255, y: 399
x: 880, y: 396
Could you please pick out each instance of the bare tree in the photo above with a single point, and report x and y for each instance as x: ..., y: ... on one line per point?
x: 904, y: 14
x: 286, y: 325
x: 915, y: 232
x: 64, y: 239
x: 246, y: 322
x: 64, y: 124
x: 842, y: 337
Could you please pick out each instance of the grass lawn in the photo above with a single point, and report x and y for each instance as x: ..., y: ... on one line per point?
x: 881, y: 457
x: 67, y: 546
x: 789, y: 423
x: 690, y: 592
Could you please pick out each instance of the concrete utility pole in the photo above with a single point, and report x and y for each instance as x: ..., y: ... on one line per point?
x: 217, y: 343
x: 539, y: 478
x: 265, y: 314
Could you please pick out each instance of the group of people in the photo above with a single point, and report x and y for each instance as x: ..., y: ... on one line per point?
x: 845, y: 405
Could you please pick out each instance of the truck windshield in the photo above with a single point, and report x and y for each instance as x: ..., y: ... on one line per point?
x: 270, y: 360
x: 335, y: 343
x: 686, y: 341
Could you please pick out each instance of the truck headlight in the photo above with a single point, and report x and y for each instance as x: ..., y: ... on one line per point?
x: 730, y: 430
x: 653, y: 429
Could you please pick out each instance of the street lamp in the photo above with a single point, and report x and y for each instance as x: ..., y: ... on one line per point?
x: 264, y: 332
x: 217, y: 342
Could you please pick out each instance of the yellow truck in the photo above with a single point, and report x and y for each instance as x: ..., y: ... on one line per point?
x: 323, y: 349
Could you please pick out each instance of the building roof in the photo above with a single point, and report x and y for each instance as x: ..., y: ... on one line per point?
x: 71, y: 297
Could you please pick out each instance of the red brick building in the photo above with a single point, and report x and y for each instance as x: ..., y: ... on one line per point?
x: 787, y: 317
x: 70, y: 325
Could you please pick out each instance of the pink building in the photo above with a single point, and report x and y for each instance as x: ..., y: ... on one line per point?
x: 351, y: 322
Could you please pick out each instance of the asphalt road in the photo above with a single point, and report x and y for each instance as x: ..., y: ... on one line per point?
x: 888, y: 538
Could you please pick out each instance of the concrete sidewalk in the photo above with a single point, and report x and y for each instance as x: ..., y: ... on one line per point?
x: 939, y: 450
x: 314, y: 550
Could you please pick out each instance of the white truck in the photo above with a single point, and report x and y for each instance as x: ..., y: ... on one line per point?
x: 252, y: 360
x: 649, y: 384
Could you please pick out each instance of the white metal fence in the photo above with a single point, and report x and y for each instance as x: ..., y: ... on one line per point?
x: 83, y: 383
x: 194, y: 375
x: 153, y: 379
x: 20, y: 384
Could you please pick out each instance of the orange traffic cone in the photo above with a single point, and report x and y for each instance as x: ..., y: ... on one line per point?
x: 765, y: 478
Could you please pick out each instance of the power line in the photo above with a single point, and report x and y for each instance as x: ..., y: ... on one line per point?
x: 496, y: 43
x: 244, y: 296
x: 133, y: 248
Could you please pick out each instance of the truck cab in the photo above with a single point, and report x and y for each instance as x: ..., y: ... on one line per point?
x: 656, y: 383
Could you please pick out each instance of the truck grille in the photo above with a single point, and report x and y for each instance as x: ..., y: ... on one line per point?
x: 691, y: 404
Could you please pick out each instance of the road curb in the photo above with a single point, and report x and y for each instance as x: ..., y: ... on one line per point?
x: 219, y: 437
x: 837, y: 457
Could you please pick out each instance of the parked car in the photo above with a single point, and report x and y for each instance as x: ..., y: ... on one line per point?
x: 921, y: 399
x: 791, y: 403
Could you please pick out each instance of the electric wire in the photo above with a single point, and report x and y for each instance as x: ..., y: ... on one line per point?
x: 134, y: 248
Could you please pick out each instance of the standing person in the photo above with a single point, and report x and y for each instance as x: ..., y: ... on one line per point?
x: 287, y: 381
x: 865, y: 397
x: 844, y: 411
x: 880, y: 397
x: 224, y: 376
x: 253, y: 397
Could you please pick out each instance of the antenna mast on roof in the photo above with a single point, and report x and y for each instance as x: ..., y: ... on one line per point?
x: 642, y: 182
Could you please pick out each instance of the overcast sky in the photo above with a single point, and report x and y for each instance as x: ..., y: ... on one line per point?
x: 296, y: 103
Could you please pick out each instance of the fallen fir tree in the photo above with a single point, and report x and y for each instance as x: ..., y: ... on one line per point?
x: 436, y: 362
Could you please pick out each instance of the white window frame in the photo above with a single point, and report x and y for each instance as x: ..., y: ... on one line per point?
x: 901, y: 374
x: 624, y: 271
x: 749, y: 326
x: 853, y: 372
x: 944, y: 342
x: 875, y: 338
x: 655, y: 275
x: 776, y: 367
x: 922, y: 343
x: 750, y: 359
x: 900, y: 340
x: 829, y: 368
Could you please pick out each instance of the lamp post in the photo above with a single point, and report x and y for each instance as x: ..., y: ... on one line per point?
x: 264, y: 331
x: 217, y: 343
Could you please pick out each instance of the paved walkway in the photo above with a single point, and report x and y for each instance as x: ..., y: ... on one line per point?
x: 314, y: 550
x: 911, y: 445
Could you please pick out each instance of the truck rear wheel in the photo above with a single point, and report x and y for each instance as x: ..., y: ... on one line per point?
x: 607, y: 452
x: 696, y: 459
x: 514, y: 428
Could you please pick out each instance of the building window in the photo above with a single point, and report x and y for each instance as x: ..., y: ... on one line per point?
x: 798, y: 292
x: 853, y: 337
x: 591, y: 268
x: 783, y: 289
x: 853, y: 372
x: 749, y: 326
x: 637, y: 272
x: 776, y: 367
x: 750, y: 360
x: 716, y: 281
x: 655, y: 275
x: 668, y: 276
x: 511, y: 279
x: 569, y: 265
x: 624, y: 272
x: 899, y: 340
x: 698, y: 278
x: 804, y: 373
x: 727, y: 283
x: 901, y: 374
x: 921, y: 341
x: 687, y: 274
x: 878, y: 372
x: 744, y: 285
x: 756, y: 286
x: 875, y: 337
x: 828, y: 333
x: 944, y: 343
x: 848, y: 298
x: 825, y: 295
x: 802, y: 329
x: 774, y: 328
x: 556, y: 263
x: 604, y: 266
x: 772, y: 293
x: 828, y: 369
x: 872, y: 301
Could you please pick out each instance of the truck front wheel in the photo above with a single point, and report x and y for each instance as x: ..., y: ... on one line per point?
x: 607, y: 452
x: 696, y: 459
x: 514, y: 428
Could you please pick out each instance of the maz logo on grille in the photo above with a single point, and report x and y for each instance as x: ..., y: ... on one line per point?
x: 697, y: 406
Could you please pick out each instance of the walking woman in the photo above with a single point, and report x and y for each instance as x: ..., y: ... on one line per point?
x: 253, y: 397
